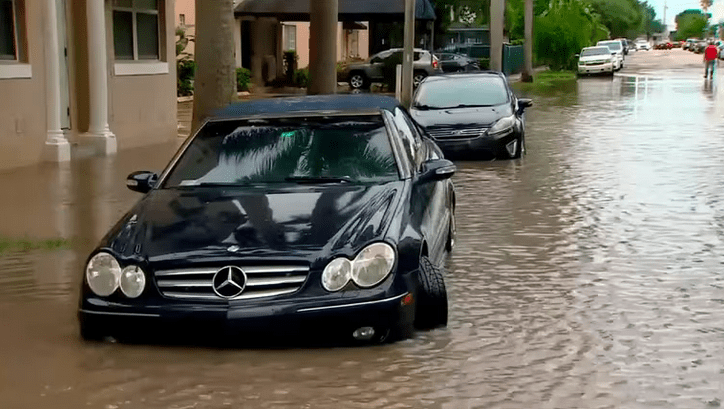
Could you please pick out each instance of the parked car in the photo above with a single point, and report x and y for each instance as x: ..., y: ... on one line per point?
x: 700, y: 46
x: 664, y: 45
x: 327, y: 215
x: 472, y: 115
x: 688, y: 44
x: 643, y: 45
x: 596, y: 60
x: 625, y: 44
x: 363, y: 75
x: 450, y: 62
x: 617, y: 48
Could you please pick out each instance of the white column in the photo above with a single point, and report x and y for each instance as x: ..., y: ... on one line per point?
x: 57, y: 148
x: 99, y: 134
x: 497, y: 24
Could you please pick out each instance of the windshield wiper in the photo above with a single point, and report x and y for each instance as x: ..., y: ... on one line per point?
x: 319, y: 179
x: 472, y: 106
x: 425, y: 107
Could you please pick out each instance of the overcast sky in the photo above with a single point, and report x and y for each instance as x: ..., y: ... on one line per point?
x: 677, y: 6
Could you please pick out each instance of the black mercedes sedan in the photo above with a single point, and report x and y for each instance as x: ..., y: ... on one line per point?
x: 472, y: 115
x: 292, y: 217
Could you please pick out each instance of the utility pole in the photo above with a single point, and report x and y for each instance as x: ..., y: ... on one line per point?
x: 323, y: 17
x: 407, y: 54
x: 528, y: 45
x: 497, y: 20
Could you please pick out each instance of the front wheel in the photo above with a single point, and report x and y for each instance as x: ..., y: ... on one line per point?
x: 432, y: 307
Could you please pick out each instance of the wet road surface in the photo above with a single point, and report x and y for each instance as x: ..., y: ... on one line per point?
x: 589, y: 274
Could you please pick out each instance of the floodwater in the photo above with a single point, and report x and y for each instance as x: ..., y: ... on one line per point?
x: 589, y: 274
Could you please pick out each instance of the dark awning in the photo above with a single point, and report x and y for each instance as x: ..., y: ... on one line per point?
x: 349, y: 10
x: 353, y: 25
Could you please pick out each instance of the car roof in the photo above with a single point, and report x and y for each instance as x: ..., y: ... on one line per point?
x: 319, y: 104
x: 457, y: 75
x: 595, y: 46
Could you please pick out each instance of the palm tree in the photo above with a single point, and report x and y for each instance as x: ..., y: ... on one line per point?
x: 215, y: 80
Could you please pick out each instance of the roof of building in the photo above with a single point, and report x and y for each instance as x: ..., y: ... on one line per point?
x: 358, y: 10
x: 316, y: 103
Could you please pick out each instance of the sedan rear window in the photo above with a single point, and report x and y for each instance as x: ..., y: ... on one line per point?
x: 462, y: 92
x: 238, y: 152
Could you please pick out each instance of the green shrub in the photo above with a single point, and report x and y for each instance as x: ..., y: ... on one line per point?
x: 290, y: 64
x: 185, y: 71
x: 484, y: 63
x: 563, y: 30
x: 243, y: 78
x: 519, y: 41
x: 341, y: 71
x: 301, y: 78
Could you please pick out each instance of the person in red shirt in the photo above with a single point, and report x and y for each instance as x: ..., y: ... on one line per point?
x: 710, y: 54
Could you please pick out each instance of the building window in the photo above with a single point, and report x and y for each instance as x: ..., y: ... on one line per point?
x: 136, y: 29
x: 182, y: 19
x: 9, y: 30
x: 290, y: 38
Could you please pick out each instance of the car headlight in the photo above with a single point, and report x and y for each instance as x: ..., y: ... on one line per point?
x: 103, y: 274
x: 373, y: 264
x: 337, y: 274
x: 132, y: 281
x: 503, y: 126
x: 609, y: 59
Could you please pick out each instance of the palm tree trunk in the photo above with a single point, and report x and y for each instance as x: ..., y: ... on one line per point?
x: 528, y: 47
x: 215, y: 79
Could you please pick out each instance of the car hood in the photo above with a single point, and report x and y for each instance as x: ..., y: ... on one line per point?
x: 302, y: 221
x: 479, y: 116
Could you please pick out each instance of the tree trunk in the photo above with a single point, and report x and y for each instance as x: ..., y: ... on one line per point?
x: 528, y: 47
x: 215, y: 79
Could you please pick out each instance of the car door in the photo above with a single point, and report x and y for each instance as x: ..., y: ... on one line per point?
x: 431, y: 200
x: 377, y: 63
x: 447, y: 63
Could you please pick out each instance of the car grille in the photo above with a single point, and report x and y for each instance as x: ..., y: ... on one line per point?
x: 262, y: 281
x: 593, y: 63
x: 456, y: 133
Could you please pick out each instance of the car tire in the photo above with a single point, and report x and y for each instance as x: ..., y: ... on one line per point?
x: 432, y: 306
x: 357, y: 80
x: 417, y: 78
x: 452, y: 232
x: 520, y: 149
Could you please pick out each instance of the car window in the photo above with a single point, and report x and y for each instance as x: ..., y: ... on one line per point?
x: 488, y: 90
x: 417, y: 56
x: 272, y: 150
x: 410, y: 138
x: 445, y: 57
x: 595, y: 51
x: 613, y: 45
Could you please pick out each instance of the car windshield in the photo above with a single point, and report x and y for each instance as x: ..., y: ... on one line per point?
x: 462, y: 92
x: 595, y: 51
x: 613, y: 45
x: 336, y: 149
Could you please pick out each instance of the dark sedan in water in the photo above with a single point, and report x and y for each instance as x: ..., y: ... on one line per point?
x: 472, y: 115
x: 302, y: 216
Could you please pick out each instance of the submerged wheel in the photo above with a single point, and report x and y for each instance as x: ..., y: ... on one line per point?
x: 451, y: 234
x: 432, y: 296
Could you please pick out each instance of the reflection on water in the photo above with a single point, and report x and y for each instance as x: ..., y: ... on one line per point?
x: 586, y: 275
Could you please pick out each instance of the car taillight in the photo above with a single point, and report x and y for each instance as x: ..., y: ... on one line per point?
x: 434, y: 63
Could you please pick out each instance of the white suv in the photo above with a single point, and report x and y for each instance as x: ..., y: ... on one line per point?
x: 596, y: 60
x: 643, y: 45
x: 616, y: 47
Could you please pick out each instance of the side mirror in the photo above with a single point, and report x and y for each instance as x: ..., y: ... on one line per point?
x: 613, y: 53
x: 142, y: 181
x: 436, y: 169
x: 524, y: 103
x: 578, y: 55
